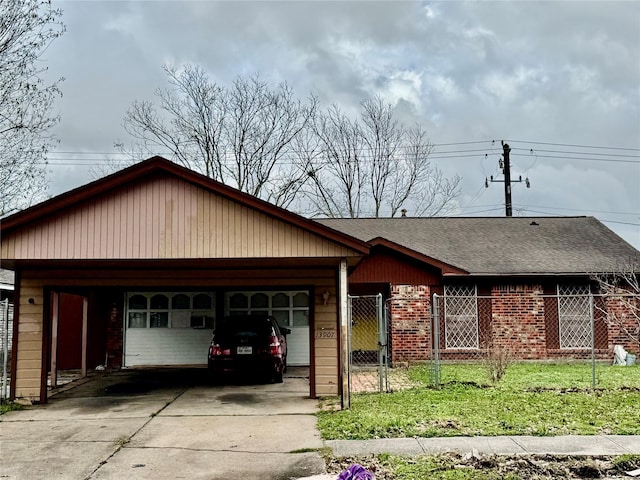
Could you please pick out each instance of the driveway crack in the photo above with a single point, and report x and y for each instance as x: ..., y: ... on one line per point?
x: 124, y: 440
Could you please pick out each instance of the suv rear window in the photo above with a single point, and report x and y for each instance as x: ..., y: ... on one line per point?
x: 246, y: 326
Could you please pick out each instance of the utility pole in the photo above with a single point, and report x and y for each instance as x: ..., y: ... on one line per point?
x: 505, y: 164
x: 507, y: 179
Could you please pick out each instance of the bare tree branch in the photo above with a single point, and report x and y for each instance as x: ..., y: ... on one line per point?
x: 374, y: 164
x: 620, y: 290
x: 243, y: 136
x: 27, y: 28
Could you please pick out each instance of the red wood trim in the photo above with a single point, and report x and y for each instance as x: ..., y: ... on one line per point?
x: 312, y: 342
x: 444, y: 267
x: 55, y: 328
x: 47, y: 295
x: 551, y: 320
x: 85, y: 312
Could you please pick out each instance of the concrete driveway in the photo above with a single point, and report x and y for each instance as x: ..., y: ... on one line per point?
x: 158, y: 424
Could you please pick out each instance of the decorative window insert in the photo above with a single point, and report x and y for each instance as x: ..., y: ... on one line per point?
x: 290, y: 308
x: 170, y: 310
x: 574, y: 316
x: 461, y: 316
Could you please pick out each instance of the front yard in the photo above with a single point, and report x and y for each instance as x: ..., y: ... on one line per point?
x: 531, y: 399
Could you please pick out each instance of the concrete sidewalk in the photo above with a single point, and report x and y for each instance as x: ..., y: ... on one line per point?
x: 590, y: 445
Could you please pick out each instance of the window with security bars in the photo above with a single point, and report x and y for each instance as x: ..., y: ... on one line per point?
x: 461, y: 316
x: 574, y: 316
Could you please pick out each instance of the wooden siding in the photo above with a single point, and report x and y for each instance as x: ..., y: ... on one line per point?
x: 391, y: 269
x: 325, y: 336
x: 29, y: 354
x: 164, y: 218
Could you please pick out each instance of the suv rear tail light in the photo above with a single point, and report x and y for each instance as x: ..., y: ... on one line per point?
x: 216, y: 350
x: 275, y: 347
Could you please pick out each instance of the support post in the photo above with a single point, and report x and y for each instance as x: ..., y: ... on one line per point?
x: 343, y: 315
x: 55, y: 313
x: 85, y: 311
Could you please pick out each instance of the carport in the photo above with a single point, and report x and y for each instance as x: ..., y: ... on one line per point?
x: 150, y: 258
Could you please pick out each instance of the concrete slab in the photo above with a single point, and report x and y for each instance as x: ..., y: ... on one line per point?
x: 81, y: 430
x: 95, y: 407
x: 262, y: 434
x: 172, y: 463
x: 631, y: 443
x: 569, y: 445
x: 484, y: 445
x: 25, y: 460
x: 241, y: 401
x: 401, y: 446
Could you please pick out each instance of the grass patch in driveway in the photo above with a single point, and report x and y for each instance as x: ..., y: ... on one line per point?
x: 9, y: 407
x: 532, y: 399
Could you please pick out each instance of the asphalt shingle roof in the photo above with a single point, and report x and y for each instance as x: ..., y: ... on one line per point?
x: 502, y: 245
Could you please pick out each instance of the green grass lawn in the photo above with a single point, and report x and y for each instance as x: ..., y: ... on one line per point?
x: 532, y: 399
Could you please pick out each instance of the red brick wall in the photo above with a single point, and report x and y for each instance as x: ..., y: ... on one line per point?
x: 517, y: 322
x: 114, y: 337
x: 620, y: 316
x: 410, y: 325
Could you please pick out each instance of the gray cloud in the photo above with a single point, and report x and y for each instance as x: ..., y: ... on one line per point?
x: 561, y: 72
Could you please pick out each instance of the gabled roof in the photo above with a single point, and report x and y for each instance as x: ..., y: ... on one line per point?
x: 502, y: 245
x: 158, y: 165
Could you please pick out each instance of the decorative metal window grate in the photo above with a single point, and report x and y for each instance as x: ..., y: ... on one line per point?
x: 574, y: 316
x: 461, y: 316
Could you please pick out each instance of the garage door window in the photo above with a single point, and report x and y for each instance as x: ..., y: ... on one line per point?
x: 170, y: 310
x: 288, y: 308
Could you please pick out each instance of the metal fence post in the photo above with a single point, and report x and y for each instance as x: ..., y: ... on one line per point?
x: 381, y: 343
x: 435, y: 349
x: 593, y: 343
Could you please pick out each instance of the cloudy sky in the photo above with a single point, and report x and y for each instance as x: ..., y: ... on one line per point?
x: 560, y: 81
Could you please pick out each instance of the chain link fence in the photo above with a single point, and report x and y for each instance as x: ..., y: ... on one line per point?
x: 411, y: 340
x: 574, y: 328
x: 6, y: 339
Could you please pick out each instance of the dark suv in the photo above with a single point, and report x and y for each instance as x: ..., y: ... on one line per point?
x: 249, y: 344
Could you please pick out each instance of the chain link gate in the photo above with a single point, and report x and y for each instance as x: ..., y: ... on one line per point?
x: 367, y: 344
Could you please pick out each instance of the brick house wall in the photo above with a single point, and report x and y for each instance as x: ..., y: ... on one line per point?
x: 620, y: 316
x: 410, y: 323
x: 517, y: 320
x: 520, y: 317
x: 115, y: 337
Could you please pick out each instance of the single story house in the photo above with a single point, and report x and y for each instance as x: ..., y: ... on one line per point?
x: 521, y: 283
x: 135, y: 269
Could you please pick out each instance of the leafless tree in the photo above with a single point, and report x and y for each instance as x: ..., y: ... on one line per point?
x: 374, y: 166
x: 622, y: 288
x: 243, y: 135
x: 27, y: 28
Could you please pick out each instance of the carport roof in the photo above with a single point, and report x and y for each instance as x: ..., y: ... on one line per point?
x: 155, y: 165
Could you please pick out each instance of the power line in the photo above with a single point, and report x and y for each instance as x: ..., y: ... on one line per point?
x: 602, y: 220
x: 576, y: 145
x: 532, y: 151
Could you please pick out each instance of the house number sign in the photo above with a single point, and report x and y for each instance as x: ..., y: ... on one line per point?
x: 328, y: 333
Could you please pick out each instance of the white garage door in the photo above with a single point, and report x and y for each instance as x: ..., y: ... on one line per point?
x: 168, y: 328
x: 291, y: 310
